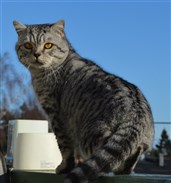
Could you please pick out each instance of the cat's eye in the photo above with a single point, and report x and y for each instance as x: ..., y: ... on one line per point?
x: 48, y: 45
x: 28, y: 45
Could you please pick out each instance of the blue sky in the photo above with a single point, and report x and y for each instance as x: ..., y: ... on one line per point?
x: 128, y: 38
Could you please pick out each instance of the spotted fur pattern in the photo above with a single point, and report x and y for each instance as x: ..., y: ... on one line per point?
x: 102, y: 122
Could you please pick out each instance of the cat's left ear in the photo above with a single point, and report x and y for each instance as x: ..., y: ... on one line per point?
x: 59, y: 27
x: 19, y: 27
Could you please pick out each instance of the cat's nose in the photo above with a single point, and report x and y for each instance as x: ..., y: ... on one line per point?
x: 37, y: 55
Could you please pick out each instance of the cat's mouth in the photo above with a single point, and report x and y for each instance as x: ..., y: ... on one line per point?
x: 38, y: 61
x: 36, y: 64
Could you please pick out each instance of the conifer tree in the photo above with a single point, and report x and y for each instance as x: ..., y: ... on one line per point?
x: 164, y: 145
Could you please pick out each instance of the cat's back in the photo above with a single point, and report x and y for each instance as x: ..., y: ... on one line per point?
x: 87, y: 82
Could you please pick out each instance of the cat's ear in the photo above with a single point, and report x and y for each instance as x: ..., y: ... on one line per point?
x: 19, y: 27
x: 59, y: 27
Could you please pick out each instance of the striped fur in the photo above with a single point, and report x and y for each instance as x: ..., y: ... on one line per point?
x: 102, y: 122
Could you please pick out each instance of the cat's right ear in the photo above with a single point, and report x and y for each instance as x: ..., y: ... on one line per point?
x: 19, y: 27
x: 59, y: 27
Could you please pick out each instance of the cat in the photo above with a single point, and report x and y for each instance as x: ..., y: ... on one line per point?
x: 102, y: 122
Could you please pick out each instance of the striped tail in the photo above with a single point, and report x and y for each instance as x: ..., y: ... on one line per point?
x: 119, y: 155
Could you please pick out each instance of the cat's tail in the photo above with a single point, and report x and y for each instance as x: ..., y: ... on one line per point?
x: 119, y: 154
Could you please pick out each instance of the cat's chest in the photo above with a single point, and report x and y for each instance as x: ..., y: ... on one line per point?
x: 47, y: 96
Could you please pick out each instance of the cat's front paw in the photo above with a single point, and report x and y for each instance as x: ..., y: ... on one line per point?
x: 67, y: 181
x: 65, y: 167
x: 76, y: 176
x: 62, y: 168
x: 75, y: 181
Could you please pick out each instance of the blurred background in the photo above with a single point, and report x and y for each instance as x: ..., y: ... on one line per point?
x: 128, y: 38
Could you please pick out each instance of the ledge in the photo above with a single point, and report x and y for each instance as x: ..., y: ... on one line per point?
x: 35, y: 177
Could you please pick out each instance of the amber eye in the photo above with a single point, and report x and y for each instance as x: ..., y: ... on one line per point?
x: 28, y: 45
x: 48, y: 45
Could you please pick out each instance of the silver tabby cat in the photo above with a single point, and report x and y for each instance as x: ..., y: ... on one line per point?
x: 102, y: 122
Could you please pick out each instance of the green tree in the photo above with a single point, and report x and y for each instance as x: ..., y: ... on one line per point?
x: 164, y: 145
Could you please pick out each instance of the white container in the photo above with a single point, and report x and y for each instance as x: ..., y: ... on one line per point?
x: 36, y: 151
x: 27, y: 126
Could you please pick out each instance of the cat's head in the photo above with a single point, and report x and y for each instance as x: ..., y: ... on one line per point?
x: 41, y: 45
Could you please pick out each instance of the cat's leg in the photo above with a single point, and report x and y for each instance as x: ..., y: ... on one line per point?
x: 130, y: 163
x: 66, y: 147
